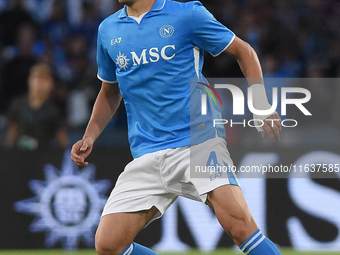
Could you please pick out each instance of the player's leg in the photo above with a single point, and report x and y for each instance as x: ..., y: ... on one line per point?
x: 234, y: 215
x: 116, y: 232
x: 138, y: 198
x: 232, y: 212
x: 221, y: 190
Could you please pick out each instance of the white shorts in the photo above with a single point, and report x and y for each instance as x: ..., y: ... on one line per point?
x: 158, y: 178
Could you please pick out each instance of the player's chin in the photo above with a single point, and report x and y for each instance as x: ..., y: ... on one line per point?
x: 127, y: 2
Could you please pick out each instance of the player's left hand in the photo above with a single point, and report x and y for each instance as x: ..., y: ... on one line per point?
x: 272, y: 126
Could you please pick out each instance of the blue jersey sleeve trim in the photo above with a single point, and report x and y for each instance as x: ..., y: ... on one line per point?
x: 106, y: 65
x: 105, y: 80
x: 231, y: 41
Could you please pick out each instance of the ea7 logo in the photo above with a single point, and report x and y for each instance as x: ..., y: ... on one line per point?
x: 153, y: 55
x: 117, y: 40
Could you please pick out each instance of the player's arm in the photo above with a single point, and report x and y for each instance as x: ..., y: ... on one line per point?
x: 105, y: 107
x: 251, y: 68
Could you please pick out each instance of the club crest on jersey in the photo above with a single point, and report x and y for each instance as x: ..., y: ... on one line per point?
x: 166, y: 31
x: 122, y: 61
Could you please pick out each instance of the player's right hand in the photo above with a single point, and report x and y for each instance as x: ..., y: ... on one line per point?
x: 80, y: 151
x: 272, y: 128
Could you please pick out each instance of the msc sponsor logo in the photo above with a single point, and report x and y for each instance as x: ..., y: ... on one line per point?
x: 122, y: 61
x: 147, y: 56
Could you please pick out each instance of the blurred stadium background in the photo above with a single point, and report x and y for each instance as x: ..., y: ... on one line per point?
x: 47, y: 202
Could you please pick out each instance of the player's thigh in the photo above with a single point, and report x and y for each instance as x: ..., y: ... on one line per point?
x: 233, y: 212
x: 117, y: 230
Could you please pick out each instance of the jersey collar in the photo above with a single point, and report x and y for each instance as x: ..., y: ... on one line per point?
x: 157, y: 6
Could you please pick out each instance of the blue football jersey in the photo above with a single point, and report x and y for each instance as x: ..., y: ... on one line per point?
x: 154, y: 60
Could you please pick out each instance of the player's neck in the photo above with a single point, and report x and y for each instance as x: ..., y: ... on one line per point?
x: 139, y: 7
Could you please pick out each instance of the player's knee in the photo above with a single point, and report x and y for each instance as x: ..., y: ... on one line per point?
x: 109, y: 248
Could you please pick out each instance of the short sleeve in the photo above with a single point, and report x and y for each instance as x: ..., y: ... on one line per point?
x: 208, y: 33
x: 106, y: 66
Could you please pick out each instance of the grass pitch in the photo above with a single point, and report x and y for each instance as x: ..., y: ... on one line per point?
x: 192, y: 252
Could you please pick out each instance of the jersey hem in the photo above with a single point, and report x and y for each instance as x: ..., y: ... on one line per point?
x: 183, y: 143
